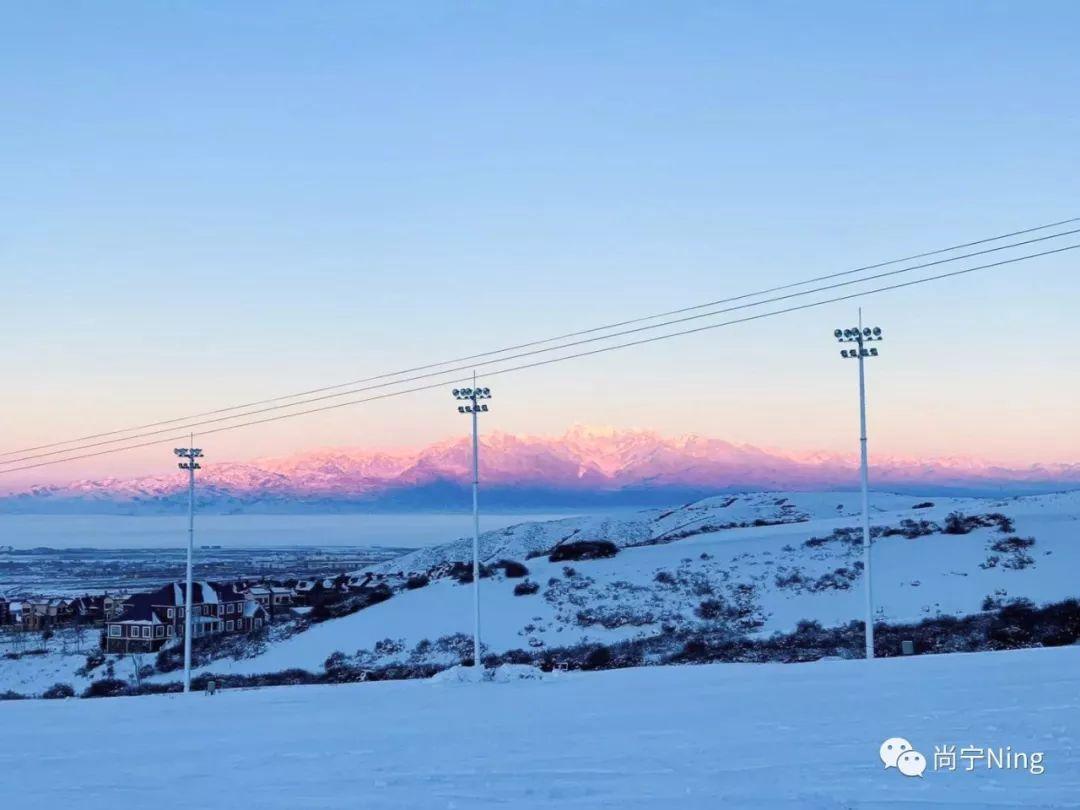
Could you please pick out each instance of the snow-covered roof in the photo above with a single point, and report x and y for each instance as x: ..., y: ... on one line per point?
x: 151, y: 621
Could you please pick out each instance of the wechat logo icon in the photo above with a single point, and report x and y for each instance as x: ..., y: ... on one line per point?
x: 896, y: 752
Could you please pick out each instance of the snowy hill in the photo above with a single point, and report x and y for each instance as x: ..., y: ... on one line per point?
x: 764, y: 560
x: 775, y: 737
x: 591, y: 467
x: 740, y: 566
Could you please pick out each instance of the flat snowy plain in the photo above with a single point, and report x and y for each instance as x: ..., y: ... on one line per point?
x: 759, y: 736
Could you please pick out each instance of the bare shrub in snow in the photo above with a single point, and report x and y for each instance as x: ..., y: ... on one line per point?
x: 59, y: 691
x: 584, y: 550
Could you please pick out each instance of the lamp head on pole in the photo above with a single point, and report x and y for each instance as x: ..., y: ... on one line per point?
x: 189, y: 454
x: 471, y: 395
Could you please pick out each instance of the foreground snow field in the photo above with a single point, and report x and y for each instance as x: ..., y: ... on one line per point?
x: 761, y: 736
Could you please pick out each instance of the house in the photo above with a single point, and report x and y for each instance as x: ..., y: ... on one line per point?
x: 45, y: 612
x: 5, y: 611
x: 255, y: 616
x: 88, y: 609
x: 275, y: 599
x: 151, y: 620
x: 16, y: 612
x: 304, y: 589
x: 113, y: 604
x: 321, y: 591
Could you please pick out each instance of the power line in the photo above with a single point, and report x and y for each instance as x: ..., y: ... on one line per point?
x: 531, y: 344
x: 552, y: 360
x: 533, y: 352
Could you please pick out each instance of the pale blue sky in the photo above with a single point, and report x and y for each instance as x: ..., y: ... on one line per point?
x: 205, y: 203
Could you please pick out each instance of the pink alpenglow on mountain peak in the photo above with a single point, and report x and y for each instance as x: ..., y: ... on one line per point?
x: 585, y: 461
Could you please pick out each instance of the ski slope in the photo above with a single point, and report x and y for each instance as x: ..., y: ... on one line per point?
x: 798, y: 736
x: 712, y: 544
x: 914, y: 578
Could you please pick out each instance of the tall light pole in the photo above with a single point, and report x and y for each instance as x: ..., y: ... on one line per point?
x: 190, y: 456
x: 860, y: 336
x: 475, y: 408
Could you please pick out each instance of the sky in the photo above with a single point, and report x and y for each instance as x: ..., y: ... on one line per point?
x: 210, y: 203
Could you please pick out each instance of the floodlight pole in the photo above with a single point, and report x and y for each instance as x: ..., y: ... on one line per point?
x: 189, y: 454
x: 476, y: 534
x: 471, y: 395
x: 865, y: 474
x: 860, y: 336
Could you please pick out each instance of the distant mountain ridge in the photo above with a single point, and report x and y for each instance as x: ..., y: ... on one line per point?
x: 584, y: 467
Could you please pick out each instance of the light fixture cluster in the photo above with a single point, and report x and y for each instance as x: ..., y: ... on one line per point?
x: 858, y: 336
x: 189, y: 453
x: 471, y: 395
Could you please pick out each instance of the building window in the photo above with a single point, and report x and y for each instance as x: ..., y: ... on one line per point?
x: 229, y: 625
x: 258, y: 623
x: 114, y: 631
x: 171, y: 612
x: 169, y: 631
x: 146, y: 632
x: 159, y: 632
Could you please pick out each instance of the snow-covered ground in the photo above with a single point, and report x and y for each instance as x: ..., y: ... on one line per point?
x: 914, y: 578
x: 761, y: 736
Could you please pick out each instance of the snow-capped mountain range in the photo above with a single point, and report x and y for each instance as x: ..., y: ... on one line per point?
x: 584, y: 467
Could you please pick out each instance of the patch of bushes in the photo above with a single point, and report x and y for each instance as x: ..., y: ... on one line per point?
x: 850, y: 535
x: 710, y: 610
x: 206, y: 649
x: 664, y: 578
x: 598, y: 658
x: 959, y: 523
x: 1012, y: 544
x: 923, y: 505
x: 93, y: 661
x: 615, y: 616
x: 584, y: 550
x: 1018, y: 562
x: 912, y: 528
x: 58, y: 691
x: 9, y: 695
x: 106, y: 687
x: 364, y: 598
x: 417, y: 581
x: 511, y: 569
x: 526, y: 588
x: 463, y: 572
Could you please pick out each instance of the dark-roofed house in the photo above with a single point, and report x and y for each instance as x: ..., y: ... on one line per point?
x: 151, y: 620
x: 275, y: 599
x: 88, y: 609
